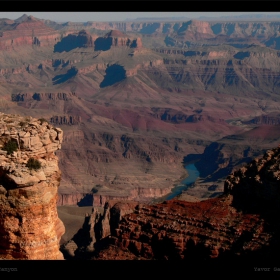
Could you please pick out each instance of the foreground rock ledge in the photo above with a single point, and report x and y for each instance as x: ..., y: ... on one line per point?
x: 29, y: 224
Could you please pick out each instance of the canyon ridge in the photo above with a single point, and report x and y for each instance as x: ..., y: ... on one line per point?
x: 144, y: 98
x: 135, y: 103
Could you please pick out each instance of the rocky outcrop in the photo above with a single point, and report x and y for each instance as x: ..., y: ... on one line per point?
x: 271, y: 119
x: 70, y: 198
x: 171, y: 230
x: 97, y: 226
x: 254, y: 187
x: 116, y: 38
x: 174, y: 116
x: 26, y: 68
x: 68, y: 120
x: 29, y: 224
x: 93, y: 67
x: 43, y: 96
x: 191, y: 231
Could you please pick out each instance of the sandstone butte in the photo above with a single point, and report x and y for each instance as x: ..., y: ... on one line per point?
x: 29, y: 225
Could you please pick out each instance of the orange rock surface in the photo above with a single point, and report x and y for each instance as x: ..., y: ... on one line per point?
x: 29, y: 224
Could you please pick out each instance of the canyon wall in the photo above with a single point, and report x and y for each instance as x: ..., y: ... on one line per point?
x: 242, y: 224
x: 29, y: 179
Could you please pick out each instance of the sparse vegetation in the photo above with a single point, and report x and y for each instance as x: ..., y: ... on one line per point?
x: 33, y: 163
x: 42, y: 120
x: 10, y: 147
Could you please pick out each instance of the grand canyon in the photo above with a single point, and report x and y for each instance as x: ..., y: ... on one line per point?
x: 115, y: 112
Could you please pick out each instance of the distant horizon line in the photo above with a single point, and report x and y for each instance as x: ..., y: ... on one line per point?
x: 244, y: 17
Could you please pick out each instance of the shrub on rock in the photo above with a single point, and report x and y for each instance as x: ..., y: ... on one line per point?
x: 33, y: 163
x: 10, y: 147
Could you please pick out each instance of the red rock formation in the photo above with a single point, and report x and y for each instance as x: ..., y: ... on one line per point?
x: 196, y: 231
x: 115, y: 33
x: 29, y: 224
x: 185, y: 230
x: 270, y: 119
x: 119, y: 39
x: 90, y: 199
x: 28, y: 32
x: 28, y: 68
x: 97, y: 226
x: 69, y: 199
x: 135, y: 194
x: 43, y: 96
x: 69, y: 120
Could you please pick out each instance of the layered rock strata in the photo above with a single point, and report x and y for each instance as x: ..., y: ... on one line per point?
x: 179, y: 230
x: 31, y: 32
x: 29, y: 224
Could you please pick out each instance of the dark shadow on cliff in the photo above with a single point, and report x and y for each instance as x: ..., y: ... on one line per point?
x: 241, y: 55
x: 87, y: 200
x: 59, y: 79
x: 273, y: 42
x: 103, y: 44
x: 114, y: 74
x: 169, y: 41
x: 184, y: 27
x: 149, y: 28
x: 217, y: 28
x: 70, y: 42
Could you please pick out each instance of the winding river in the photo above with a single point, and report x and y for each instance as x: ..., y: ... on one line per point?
x: 193, y: 175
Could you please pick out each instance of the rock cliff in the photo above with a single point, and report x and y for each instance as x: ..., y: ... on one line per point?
x: 116, y: 38
x: 255, y: 187
x: 29, y: 224
x: 186, y: 231
x: 240, y: 224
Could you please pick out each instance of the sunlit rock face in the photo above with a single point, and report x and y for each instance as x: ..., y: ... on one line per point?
x: 29, y: 224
